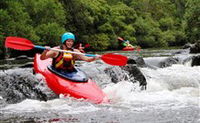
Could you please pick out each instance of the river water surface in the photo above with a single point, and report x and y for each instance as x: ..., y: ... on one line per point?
x: 172, y: 95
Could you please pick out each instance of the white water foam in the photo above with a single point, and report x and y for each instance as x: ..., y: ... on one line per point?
x: 176, y: 86
x: 67, y: 106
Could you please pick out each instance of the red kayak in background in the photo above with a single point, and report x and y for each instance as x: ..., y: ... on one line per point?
x: 128, y: 48
x: 75, y: 84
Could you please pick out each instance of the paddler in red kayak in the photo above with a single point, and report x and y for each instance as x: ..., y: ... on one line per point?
x: 66, y: 61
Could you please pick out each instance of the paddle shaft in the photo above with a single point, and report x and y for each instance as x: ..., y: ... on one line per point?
x: 59, y: 50
x: 25, y: 44
x: 112, y: 59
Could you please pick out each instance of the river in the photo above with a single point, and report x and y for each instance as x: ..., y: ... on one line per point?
x: 172, y: 95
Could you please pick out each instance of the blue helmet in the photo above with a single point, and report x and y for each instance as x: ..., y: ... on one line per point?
x: 66, y: 36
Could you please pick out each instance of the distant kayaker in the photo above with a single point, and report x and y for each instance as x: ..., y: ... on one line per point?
x: 66, y: 61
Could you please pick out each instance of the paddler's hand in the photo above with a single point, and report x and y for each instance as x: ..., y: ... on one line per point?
x: 47, y: 49
x: 97, y: 57
x: 44, y: 53
x: 94, y: 58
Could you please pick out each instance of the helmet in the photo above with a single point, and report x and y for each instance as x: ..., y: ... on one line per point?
x: 66, y: 36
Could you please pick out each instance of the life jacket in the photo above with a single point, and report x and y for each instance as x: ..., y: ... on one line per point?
x: 64, y: 61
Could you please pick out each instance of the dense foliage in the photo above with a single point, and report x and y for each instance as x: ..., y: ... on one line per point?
x: 148, y: 23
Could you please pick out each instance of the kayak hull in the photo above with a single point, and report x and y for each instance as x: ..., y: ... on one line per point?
x: 87, y: 90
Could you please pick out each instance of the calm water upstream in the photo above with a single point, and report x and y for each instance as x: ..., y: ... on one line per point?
x: 172, y: 95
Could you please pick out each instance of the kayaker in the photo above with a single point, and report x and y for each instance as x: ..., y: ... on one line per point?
x: 66, y: 61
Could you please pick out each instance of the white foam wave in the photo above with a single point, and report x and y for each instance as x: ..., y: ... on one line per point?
x: 64, y: 105
x: 177, y: 85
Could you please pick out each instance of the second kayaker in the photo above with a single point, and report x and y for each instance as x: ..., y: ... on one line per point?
x: 65, y: 61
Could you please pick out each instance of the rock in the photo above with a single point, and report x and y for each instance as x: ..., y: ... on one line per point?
x: 116, y: 74
x: 136, y: 73
x: 19, y: 84
x: 195, y: 48
x: 139, y: 61
x: 131, y: 61
x: 136, y: 60
x: 196, y: 60
x: 188, y: 45
x: 125, y: 72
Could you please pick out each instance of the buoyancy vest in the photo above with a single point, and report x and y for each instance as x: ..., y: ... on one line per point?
x: 64, y: 61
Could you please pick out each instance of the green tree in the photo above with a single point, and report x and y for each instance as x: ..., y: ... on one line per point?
x: 149, y: 23
x: 122, y: 20
x: 100, y: 41
x: 14, y: 21
x: 45, y: 11
x: 48, y: 17
x: 192, y: 20
x: 50, y: 34
x: 87, y: 18
x: 148, y: 33
x: 39, y: 20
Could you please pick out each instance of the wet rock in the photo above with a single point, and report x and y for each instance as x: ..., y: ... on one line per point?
x: 136, y: 73
x: 188, y: 45
x: 195, y: 48
x: 136, y: 60
x: 196, y: 60
x: 139, y: 61
x: 19, y: 84
x: 129, y: 72
x: 131, y: 61
x: 116, y: 74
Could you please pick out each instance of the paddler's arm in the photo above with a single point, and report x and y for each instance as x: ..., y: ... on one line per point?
x: 48, y: 54
x: 85, y: 58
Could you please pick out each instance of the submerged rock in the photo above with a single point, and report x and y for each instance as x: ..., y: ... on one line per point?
x: 168, y: 62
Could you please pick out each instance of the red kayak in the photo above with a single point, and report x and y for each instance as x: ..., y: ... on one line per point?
x: 128, y: 48
x: 75, y: 84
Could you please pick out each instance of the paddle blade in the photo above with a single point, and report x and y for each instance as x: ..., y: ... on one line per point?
x: 121, y: 39
x: 114, y: 59
x: 18, y: 43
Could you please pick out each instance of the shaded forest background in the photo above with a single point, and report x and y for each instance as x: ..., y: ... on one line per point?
x: 147, y: 23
